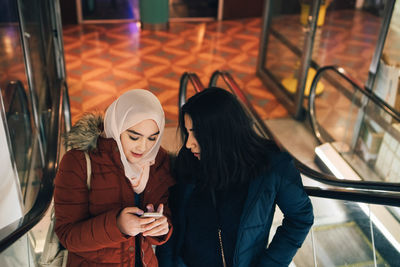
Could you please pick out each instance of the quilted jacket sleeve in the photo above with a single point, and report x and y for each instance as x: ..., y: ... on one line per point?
x: 298, y: 216
x: 76, y: 230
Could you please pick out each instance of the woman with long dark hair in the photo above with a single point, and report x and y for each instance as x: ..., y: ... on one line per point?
x: 230, y: 180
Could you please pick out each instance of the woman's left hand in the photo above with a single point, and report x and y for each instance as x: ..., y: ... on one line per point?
x: 160, y: 225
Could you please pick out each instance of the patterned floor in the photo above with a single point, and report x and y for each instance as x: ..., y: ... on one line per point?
x: 104, y: 61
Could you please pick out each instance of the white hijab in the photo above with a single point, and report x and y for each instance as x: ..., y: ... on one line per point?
x: 128, y: 110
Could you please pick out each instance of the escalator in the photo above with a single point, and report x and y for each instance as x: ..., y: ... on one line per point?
x: 348, y: 229
x: 343, y: 235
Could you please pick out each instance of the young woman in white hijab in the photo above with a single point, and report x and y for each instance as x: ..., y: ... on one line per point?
x: 130, y: 176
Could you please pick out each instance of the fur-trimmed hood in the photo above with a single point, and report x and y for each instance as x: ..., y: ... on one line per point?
x: 84, y: 134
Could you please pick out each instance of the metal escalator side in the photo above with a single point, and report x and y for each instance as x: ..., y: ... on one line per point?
x: 19, y: 124
x: 58, y: 122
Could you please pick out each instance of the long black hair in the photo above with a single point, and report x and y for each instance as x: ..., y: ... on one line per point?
x: 232, y: 153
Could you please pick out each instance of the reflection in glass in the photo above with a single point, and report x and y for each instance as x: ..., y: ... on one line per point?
x: 11, y: 56
x: 345, y: 36
x: 284, y: 46
x: 20, y: 128
x: 14, y: 91
x: 387, y: 83
x: 365, y: 135
x: 347, y: 39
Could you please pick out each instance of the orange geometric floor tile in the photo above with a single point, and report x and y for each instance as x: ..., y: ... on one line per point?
x: 103, y: 61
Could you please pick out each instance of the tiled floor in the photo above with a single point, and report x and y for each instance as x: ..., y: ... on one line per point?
x: 103, y: 61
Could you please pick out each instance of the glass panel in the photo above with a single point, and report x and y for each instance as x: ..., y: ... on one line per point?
x: 31, y: 24
x: 365, y: 135
x: 387, y: 83
x: 350, y: 234
x: 25, y: 113
x: 336, y: 110
x: 109, y: 9
x: 35, y: 20
x: 285, y: 45
x: 21, y: 253
x: 346, y: 37
x: 11, y: 56
x: 19, y: 122
x: 15, y: 94
x: 40, y: 66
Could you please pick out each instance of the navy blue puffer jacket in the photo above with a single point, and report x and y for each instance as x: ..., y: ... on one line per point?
x: 280, y: 185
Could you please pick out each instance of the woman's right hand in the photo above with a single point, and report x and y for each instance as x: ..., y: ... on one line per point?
x: 130, y: 223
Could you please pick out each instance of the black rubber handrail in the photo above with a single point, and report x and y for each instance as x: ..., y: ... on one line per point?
x: 14, y: 231
x: 355, y: 195
x: 304, y: 169
x: 356, y: 85
x: 185, y: 79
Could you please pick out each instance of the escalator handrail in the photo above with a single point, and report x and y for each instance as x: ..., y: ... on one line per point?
x: 355, y: 195
x: 304, y: 169
x: 235, y: 89
x: 45, y: 194
x: 194, y: 80
x: 363, y: 89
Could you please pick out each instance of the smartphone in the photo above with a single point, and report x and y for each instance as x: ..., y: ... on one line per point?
x: 151, y: 214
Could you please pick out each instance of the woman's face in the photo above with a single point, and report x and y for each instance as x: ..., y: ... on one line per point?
x: 191, y: 142
x: 139, y: 139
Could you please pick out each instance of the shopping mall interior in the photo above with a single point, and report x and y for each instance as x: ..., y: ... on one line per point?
x: 319, y: 77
